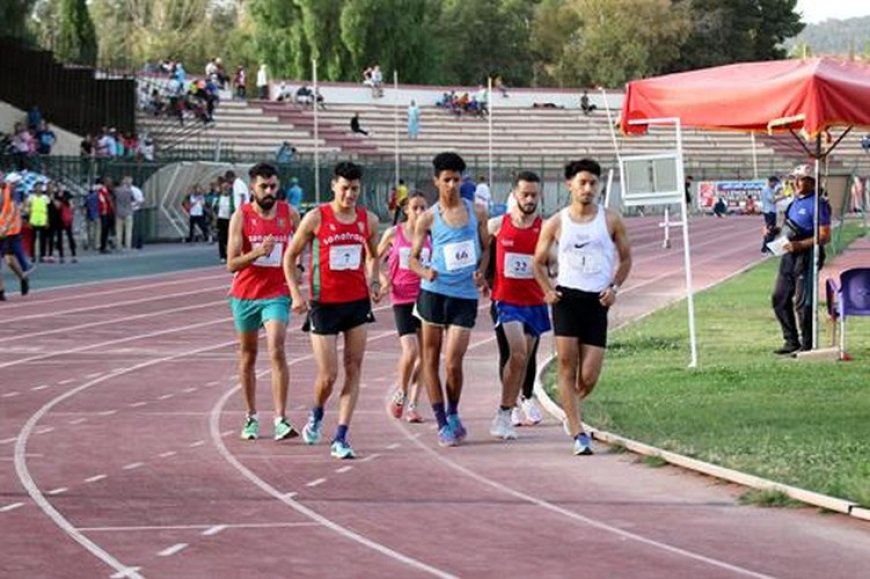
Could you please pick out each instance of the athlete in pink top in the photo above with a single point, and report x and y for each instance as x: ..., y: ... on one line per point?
x: 404, y: 286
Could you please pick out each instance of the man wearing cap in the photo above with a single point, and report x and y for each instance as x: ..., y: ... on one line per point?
x: 793, y: 290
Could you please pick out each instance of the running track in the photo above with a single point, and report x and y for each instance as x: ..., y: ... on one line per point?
x: 119, y: 457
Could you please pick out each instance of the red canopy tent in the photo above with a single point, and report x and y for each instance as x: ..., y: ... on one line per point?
x: 809, y: 96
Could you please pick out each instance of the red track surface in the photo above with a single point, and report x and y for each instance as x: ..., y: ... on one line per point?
x: 119, y: 456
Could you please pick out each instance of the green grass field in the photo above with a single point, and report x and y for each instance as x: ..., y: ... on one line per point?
x: 798, y: 422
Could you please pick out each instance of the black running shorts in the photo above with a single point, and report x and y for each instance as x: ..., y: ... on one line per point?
x: 331, y: 319
x: 580, y: 315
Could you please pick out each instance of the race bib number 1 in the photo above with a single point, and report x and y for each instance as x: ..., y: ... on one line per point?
x: 518, y: 266
x: 460, y: 255
x: 274, y: 258
x: 345, y: 257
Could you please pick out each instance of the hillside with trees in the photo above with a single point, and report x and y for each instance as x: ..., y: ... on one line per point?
x: 843, y: 37
x: 526, y: 42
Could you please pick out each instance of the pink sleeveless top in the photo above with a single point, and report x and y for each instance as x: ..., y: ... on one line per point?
x: 405, y: 283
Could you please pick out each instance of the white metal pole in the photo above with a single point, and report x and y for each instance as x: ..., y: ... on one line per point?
x: 316, y: 134
x: 816, y: 250
x: 690, y: 298
x: 609, y: 190
x: 666, y: 242
x: 396, y: 119
x: 489, y: 107
x: 754, y: 158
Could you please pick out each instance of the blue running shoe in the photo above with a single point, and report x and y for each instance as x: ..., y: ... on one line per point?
x: 455, y: 424
x: 311, y: 432
x: 341, y: 449
x: 446, y: 436
x: 582, y: 444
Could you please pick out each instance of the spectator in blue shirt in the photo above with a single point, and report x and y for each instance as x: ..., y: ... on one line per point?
x: 467, y: 188
x: 294, y: 194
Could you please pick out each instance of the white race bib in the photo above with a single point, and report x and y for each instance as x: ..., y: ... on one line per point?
x: 460, y: 255
x: 274, y: 257
x: 588, y: 261
x: 345, y: 257
x: 405, y: 257
x: 518, y: 266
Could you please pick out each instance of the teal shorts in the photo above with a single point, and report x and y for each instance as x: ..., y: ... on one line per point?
x: 250, y: 315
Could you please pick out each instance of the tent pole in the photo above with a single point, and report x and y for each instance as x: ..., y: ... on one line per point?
x: 815, y: 273
x: 690, y: 298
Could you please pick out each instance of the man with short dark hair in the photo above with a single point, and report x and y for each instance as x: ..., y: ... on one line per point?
x: 343, y: 279
x: 259, y: 235
x: 594, y: 258
x: 447, y: 304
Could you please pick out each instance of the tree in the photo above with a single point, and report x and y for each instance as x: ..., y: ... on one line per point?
x: 77, y: 40
x: 13, y: 17
x: 321, y: 23
x: 553, y: 24
x: 279, y: 37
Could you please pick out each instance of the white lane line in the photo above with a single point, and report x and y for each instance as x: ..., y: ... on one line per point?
x: 57, y: 491
x: 343, y: 469
x: 45, y: 430
x: 126, y: 572
x: 67, y: 381
x: 227, y: 432
x: 107, y: 412
x: 165, y: 397
x: 11, y: 394
x: 189, y: 390
x: 290, y: 495
x: 195, y: 444
x: 136, y: 404
x: 416, y: 436
x: 40, y: 387
x: 77, y: 421
x: 8, y: 440
x: 167, y: 454
x: 394, y: 446
x: 10, y: 507
x: 369, y: 457
x: 94, y: 375
x: 213, y: 383
x: 169, y: 551
x: 202, y: 528
x: 214, y: 530
x: 301, y: 407
x: 315, y: 482
x: 133, y: 465
x: 287, y: 498
x: 95, y: 478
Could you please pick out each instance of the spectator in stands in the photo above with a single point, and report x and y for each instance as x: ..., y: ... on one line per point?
x: 37, y: 209
x: 304, y: 96
x: 720, y: 209
x: 22, y: 147
x: 156, y: 104
x: 482, y: 194
x: 285, y: 93
x: 196, y: 214
x: 34, y: 117
x: 687, y: 185
x: 146, y: 148
x: 241, y: 193
x: 374, y: 78
x: 212, y: 71
x: 586, y: 105
x: 355, y: 126
x: 857, y: 194
x: 286, y: 153
x: 865, y: 143
x: 86, y: 147
x: 106, y: 204
x: 92, y: 217
x: 262, y: 83
x: 66, y: 215
x: 138, y: 202
x: 105, y: 147
x: 45, y: 138
x: 124, y: 214
x: 240, y: 81
x: 294, y: 194
x: 413, y: 120
x: 500, y: 86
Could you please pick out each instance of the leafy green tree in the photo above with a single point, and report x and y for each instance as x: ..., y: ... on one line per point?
x: 321, y: 23
x: 77, y: 40
x: 13, y: 17
x: 279, y: 38
x: 553, y: 24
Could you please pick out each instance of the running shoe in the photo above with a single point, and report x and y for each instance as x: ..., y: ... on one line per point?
x: 532, y: 412
x: 446, y: 436
x: 284, y: 430
x: 396, y: 404
x: 311, y: 432
x: 251, y: 431
x: 455, y: 424
x: 413, y: 416
x: 341, y: 449
x: 517, y: 418
x: 501, y: 426
x: 582, y: 444
x: 25, y: 286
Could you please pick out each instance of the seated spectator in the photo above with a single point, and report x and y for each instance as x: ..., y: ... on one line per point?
x: 355, y: 126
x: 585, y: 105
x: 720, y: 209
x: 304, y: 96
x: 285, y: 93
x: 286, y: 153
x: 865, y: 143
x: 240, y: 81
x: 145, y: 150
x: 156, y: 104
x: 45, y: 138
x: 500, y: 86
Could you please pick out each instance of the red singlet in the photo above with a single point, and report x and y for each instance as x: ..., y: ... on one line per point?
x: 264, y: 278
x: 514, y: 275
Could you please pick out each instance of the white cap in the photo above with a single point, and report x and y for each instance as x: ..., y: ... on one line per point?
x: 802, y: 171
x: 13, y: 177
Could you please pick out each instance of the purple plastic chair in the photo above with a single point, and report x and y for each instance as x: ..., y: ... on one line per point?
x: 853, y: 299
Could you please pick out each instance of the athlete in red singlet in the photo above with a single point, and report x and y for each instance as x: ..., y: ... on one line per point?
x: 259, y: 234
x: 521, y: 315
x: 343, y: 258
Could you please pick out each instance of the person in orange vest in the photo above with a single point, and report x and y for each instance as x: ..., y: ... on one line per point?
x: 10, y: 231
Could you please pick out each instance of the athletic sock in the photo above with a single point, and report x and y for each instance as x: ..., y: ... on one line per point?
x: 452, y: 407
x: 505, y: 408
x: 317, y: 413
x: 254, y: 415
x: 340, y: 433
x: 438, y: 410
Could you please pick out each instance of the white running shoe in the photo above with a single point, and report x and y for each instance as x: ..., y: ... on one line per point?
x: 533, y: 413
x: 517, y: 418
x: 501, y: 426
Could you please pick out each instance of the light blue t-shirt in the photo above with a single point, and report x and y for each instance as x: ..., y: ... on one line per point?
x: 801, y: 212
x: 455, y: 256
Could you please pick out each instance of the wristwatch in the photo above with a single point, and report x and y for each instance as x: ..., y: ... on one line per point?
x: 614, y: 288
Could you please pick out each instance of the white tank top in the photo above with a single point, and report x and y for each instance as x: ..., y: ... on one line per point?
x: 586, y: 253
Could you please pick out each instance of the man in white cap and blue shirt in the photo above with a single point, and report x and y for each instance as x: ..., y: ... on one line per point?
x: 793, y: 291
